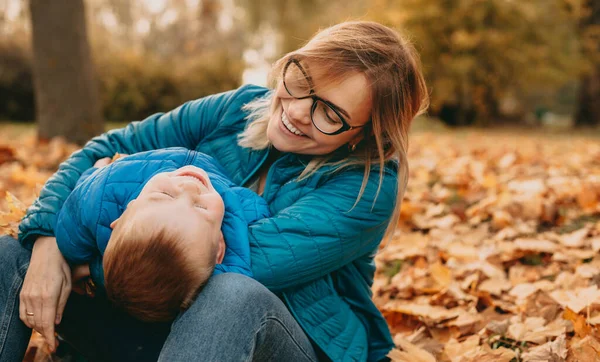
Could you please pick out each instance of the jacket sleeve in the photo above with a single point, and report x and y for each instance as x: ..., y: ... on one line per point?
x: 322, y: 231
x: 87, y: 173
x: 185, y: 126
x: 74, y: 236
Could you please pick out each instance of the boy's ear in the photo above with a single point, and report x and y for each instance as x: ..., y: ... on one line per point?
x: 114, y: 223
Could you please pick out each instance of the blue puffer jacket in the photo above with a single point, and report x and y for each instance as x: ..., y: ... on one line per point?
x: 101, y: 196
x: 317, y: 248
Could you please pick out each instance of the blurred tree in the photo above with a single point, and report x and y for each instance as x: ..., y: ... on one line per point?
x: 478, y: 53
x: 16, y: 85
x: 588, y: 110
x: 65, y: 86
x: 295, y: 21
x: 123, y: 11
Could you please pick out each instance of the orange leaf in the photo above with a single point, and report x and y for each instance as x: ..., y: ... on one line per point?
x: 582, y: 329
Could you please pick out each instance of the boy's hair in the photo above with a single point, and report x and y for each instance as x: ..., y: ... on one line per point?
x: 147, y: 273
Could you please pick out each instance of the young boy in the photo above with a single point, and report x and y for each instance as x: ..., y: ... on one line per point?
x: 154, y: 226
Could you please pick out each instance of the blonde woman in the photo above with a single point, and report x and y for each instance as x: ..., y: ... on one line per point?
x: 326, y: 148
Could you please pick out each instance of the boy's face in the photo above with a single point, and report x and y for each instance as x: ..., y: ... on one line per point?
x: 186, y: 201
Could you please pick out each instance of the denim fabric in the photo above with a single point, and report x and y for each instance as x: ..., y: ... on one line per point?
x: 14, y: 335
x: 235, y: 318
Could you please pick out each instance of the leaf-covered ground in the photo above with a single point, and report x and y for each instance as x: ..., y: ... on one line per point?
x: 497, y: 256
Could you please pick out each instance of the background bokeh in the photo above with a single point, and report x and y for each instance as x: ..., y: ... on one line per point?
x: 487, y: 62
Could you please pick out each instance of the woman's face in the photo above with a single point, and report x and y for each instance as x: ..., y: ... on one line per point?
x: 290, y: 127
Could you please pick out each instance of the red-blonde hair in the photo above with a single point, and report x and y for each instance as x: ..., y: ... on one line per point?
x: 147, y: 271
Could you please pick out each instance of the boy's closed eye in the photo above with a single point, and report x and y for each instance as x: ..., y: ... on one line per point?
x: 199, y: 206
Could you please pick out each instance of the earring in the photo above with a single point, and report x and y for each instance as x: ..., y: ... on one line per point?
x: 351, y: 147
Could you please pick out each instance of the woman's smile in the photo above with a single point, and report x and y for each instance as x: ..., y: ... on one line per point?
x: 288, y: 128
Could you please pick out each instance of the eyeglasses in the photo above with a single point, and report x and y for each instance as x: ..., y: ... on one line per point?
x: 323, y: 114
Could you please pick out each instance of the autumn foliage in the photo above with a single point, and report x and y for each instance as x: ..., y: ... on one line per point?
x: 496, y: 258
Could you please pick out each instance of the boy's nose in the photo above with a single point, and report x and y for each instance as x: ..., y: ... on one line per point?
x: 190, y: 187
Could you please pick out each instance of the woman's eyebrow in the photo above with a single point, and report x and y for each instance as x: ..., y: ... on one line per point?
x: 343, y: 111
x: 310, y: 80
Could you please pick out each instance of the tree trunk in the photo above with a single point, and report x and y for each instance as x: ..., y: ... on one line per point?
x: 588, y: 110
x: 66, y: 91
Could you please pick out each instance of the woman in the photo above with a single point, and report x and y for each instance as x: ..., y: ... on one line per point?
x: 326, y: 149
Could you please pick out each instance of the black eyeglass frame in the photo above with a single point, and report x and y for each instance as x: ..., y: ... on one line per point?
x: 345, y: 126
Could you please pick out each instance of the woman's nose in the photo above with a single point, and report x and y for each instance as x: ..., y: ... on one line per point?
x: 299, y: 110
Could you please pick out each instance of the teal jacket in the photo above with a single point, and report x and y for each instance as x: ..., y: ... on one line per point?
x: 317, y: 249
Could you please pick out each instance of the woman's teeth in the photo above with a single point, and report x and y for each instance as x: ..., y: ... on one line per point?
x: 289, y: 126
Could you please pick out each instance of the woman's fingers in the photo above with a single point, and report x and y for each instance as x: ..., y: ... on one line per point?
x: 23, y: 311
x: 102, y: 162
x: 48, y: 316
x: 62, y: 300
x: 47, y: 313
x: 39, y: 308
x: 48, y: 277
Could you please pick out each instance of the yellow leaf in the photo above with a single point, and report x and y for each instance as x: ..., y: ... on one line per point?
x: 441, y: 274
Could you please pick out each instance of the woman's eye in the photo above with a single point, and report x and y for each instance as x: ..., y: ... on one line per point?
x: 332, y: 118
x: 332, y: 121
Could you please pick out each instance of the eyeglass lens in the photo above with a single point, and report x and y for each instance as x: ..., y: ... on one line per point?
x: 298, y: 86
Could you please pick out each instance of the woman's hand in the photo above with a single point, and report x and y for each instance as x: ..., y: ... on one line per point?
x: 46, y: 288
x: 107, y: 160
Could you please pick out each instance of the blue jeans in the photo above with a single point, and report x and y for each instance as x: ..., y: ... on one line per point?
x: 235, y: 318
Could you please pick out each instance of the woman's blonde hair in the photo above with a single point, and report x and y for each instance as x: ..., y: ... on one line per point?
x: 398, y: 91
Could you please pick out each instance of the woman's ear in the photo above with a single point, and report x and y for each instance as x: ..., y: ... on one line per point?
x: 359, y: 137
x: 356, y: 140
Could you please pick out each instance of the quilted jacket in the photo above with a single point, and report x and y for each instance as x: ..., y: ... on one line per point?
x: 101, y: 196
x: 317, y: 248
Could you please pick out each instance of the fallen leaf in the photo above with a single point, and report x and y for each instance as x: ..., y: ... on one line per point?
x: 495, y: 286
x: 580, y: 326
x: 579, y: 299
x: 555, y: 351
x: 587, y: 349
x: 441, y: 274
x: 409, y: 353
x: 575, y: 239
x: 455, y: 350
